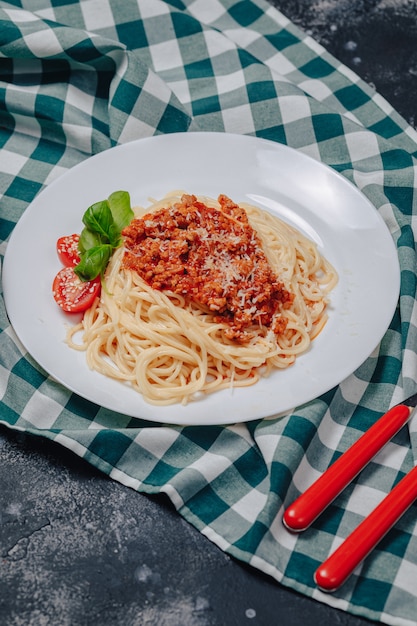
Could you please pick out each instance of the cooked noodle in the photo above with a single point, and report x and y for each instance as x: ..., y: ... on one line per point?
x: 171, y: 349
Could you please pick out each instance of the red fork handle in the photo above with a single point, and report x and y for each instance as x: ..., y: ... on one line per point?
x: 303, y: 511
x: 356, y: 547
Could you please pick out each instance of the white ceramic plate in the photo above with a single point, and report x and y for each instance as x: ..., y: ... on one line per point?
x: 312, y: 197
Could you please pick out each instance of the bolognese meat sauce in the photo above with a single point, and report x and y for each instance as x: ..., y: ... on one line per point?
x: 212, y: 256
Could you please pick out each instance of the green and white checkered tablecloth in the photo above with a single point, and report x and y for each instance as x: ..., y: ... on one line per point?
x: 78, y: 77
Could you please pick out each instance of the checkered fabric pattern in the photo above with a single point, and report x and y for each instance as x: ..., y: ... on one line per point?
x: 77, y: 78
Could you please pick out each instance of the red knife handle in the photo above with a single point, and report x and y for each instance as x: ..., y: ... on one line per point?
x: 338, y: 567
x: 303, y: 511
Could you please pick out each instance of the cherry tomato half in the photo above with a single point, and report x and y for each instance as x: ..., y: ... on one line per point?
x: 67, y: 249
x: 72, y: 294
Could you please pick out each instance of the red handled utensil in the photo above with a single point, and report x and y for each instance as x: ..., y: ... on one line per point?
x: 305, y: 509
x: 355, y: 548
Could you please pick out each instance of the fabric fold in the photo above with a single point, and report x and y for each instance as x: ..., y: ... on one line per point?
x: 89, y: 93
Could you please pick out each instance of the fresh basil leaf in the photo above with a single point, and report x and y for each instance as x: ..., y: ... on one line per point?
x: 119, y: 202
x: 103, y: 225
x: 93, y: 262
x: 89, y: 239
x: 98, y: 218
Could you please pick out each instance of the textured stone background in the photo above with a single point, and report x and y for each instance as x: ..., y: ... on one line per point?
x: 376, y: 38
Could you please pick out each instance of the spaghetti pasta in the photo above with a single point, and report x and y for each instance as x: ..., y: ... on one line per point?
x: 174, y: 339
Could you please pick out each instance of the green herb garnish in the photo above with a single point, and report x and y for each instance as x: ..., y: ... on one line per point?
x: 103, y: 224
